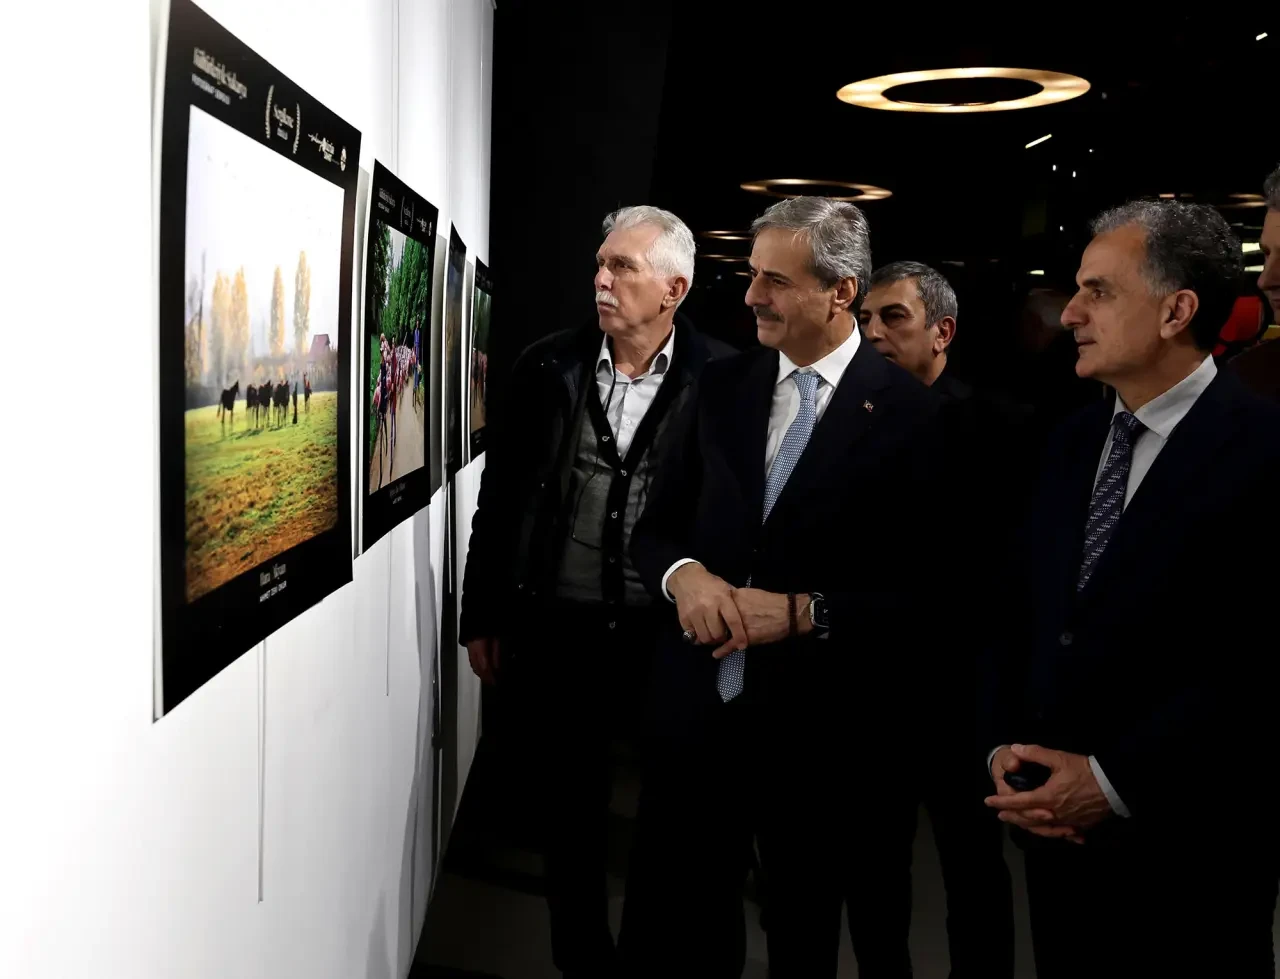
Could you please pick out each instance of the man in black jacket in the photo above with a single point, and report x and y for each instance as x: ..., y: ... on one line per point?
x: 1151, y: 847
x: 551, y: 602
x: 910, y: 316
x: 786, y: 690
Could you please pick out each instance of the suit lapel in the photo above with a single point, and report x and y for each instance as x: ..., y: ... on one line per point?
x: 749, y: 429
x: 846, y: 419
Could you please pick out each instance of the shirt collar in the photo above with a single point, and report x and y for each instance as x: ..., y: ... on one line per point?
x: 830, y: 368
x: 1163, y: 413
x: 660, y: 362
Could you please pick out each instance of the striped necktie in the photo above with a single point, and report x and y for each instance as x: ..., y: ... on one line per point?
x: 1108, y: 493
x: 730, y: 678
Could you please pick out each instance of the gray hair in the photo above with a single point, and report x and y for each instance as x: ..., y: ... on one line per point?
x: 837, y: 233
x: 1189, y: 246
x: 1271, y: 190
x: 931, y: 285
x: 672, y: 252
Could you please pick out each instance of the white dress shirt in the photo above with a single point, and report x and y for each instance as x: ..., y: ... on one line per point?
x: 627, y: 399
x: 1159, y: 416
x: 785, y: 406
x: 786, y: 396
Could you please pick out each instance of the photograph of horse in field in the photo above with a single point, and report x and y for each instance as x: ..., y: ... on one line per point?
x: 399, y: 306
x: 262, y: 265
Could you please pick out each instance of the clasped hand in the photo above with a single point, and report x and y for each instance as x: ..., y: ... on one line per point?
x: 1070, y: 802
x: 733, y: 618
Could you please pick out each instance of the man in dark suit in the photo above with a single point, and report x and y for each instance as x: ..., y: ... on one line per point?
x: 552, y: 607
x: 786, y: 687
x: 910, y: 316
x: 1151, y: 847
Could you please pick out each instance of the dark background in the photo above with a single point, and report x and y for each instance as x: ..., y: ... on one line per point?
x: 677, y: 104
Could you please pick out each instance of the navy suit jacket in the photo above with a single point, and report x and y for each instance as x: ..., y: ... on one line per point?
x: 1164, y: 667
x: 844, y: 525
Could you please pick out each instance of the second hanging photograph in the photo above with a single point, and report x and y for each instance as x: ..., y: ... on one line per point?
x: 395, y: 388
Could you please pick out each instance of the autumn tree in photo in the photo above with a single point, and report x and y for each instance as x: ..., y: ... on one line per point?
x: 196, y: 348
x: 276, y: 326
x: 301, y: 306
x: 219, y: 329
x: 238, y: 345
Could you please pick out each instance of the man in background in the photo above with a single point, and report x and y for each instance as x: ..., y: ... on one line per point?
x: 1147, y: 703
x: 553, y: 610
x: 778, y: 706
x: 1259, y: 367
x: 910, y: 316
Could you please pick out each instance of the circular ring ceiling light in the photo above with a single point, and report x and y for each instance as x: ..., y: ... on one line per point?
x: 779, y: 188
x: 726, y: 235
x: 1246, y: 200
x: 997, y: 92
x: 724, y: 258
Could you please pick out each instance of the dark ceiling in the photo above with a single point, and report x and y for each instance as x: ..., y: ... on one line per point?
x: 1175, y: 106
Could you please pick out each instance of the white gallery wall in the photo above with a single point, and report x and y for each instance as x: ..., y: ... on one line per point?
x: 278, y: 822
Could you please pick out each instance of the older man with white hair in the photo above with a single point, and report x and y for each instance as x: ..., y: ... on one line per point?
x: 553, y: 610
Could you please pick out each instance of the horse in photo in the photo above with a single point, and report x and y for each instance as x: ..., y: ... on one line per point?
x: 264, y: 403
x: 280, y: 403
x: 227, y: 404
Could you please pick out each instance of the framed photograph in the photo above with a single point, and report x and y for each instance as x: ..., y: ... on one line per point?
x: 396, y: 337
x: 478, y: 368
x: 435, y: 420
x: 455, y: 277
x: 256, y: 225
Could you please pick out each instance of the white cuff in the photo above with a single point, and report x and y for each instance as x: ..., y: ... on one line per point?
x: 1109, y: 790
x: 672, y: 570
x: 991, y: 756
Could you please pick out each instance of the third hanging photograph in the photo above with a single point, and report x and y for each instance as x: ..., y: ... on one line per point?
x: 478, y: 373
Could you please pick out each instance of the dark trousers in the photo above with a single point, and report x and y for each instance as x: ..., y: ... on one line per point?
x: 573, y: 686
x: 806, y: 791
x: 970, y: 843
x: 1127, y: 907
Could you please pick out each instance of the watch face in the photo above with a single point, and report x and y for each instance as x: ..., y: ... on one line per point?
x: 820, y: 614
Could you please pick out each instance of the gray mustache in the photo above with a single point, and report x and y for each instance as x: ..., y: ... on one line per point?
x: 607, y: 298
x: 765, y: 313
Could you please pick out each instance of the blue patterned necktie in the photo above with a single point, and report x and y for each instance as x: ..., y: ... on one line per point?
x: 1108, y: 493
x: 729, y: 680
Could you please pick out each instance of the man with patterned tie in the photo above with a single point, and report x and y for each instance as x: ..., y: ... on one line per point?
x: 1152, y: 710
x: 778, y: 681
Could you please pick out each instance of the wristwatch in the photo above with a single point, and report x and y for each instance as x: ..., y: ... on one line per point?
x: 818, y: 615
